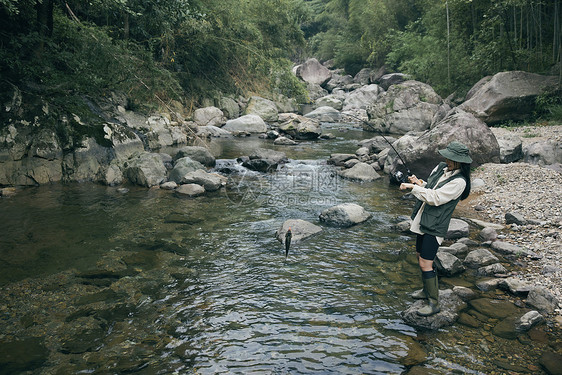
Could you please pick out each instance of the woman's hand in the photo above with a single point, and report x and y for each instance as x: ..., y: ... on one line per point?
x: 405, y: 185
x: 414, y: 180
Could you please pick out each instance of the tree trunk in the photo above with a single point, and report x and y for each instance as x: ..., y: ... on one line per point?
x: 126, y: 25
x: 44, y: 11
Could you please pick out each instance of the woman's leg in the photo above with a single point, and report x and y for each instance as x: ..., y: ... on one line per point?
x: 428, y: 251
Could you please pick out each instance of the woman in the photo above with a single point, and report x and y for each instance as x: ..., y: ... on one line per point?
x: 436, y: 200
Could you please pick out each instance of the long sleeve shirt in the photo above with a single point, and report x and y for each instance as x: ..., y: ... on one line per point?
x: 436, y: 197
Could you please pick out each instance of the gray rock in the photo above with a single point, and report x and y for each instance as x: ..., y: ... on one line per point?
x: 333, y: 101
x: 492, y: 270
x: 338, y: 81
x: 212, y: 131
x: 299, y: 127
x: 508, y: 249
x: 315, y: 91
x: 515, y: 218
x: 285, y: 104
x: 350, y: 163
x: 170, y: 185
x: 450, y: 305
x: 515, y: 286
x: 190, y: 190
x: 265, y: 153
x: 448, y: 264
x: 325, y: 114
x: 284, y: 141
x: 147, y: 169
x: 248, y: 124
x: 377, y: 144
x: 542, y: 299
x: 363, y: 77
x: 313, y: 72
x: 479, y: 258
x: 408, y: 106
x: 339, y: 159
x: 528, y: 321
x: 197, y: 153
x: 543, y: 153
x: 229, y: 107
x: 210, y: 181
x: 488, y: 234
x: 209, y: 116
x: 421, y: 152
x: 508, y: 96
x: 487, y: 285
x: 457, y: 229
x: 345, y: 215
x: 300, y: 229
x: 390, y: 79
x: 360, y: 172
x: 363, y: 97
x: 182, y: 167
x: 466, y: 294
x: 511, y: 148
x: 403, y: 226
x: 264, y: 108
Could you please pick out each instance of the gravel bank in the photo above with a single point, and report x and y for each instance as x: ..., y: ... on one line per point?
x: 534, y: 192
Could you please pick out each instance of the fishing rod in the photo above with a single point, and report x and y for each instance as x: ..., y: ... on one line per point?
x: 399, y: 176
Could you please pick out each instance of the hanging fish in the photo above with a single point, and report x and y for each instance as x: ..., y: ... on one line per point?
x: 288, y: 237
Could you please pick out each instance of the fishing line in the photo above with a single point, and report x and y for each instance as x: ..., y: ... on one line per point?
x: 387, y: 141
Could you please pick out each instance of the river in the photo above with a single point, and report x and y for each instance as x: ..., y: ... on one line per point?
x: 97, y: 280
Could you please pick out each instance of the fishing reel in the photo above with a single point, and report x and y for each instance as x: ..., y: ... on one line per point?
x: 399, y: 177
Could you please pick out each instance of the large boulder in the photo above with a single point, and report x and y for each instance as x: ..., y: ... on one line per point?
x: 364, y: 97
x: 197, y: 153
x: 229, y: 107
x: 182, y: 167
x: 264, y: 160
x: 264, y: 108
x: 543, y: 152
x: 408, y: 106
x: 338, y: 81
x: 421, y: 152
x: 334, y: 101
x: 313, y: 72
x: 390, y: 79
x: 162, y: 133
x: 360, y: 172
x: 508, y: 96
x: 246, y: 124
x: 146, y: 169
x: 209, y: 116
x: 345, y: 215
x: 299, y: 127
x: 325, y: 114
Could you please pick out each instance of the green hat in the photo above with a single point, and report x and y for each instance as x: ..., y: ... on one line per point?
x: 456, y: 151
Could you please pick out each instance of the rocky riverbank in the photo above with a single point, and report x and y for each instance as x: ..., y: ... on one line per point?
x: 525, y: 200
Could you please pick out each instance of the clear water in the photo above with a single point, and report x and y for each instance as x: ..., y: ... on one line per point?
x: 212, y: 291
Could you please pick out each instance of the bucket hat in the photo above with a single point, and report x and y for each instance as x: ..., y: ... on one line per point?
x: 456, y: 151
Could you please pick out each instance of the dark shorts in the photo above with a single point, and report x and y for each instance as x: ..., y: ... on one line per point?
x: 426, y: 246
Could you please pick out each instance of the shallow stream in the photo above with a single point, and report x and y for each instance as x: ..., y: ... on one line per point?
x: 94, y: 280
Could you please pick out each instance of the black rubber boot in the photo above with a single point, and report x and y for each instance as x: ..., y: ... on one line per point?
x: 431, y: 286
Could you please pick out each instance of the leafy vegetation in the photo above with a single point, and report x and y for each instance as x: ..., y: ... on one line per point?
x: 189, y: 50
